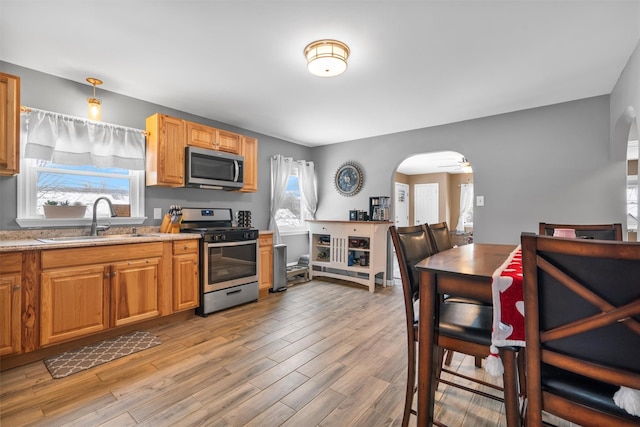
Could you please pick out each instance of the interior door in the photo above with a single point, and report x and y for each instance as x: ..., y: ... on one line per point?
x: 401, y: 207
x: 425, y: 203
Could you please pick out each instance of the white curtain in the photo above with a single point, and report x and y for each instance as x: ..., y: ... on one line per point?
x: 466, y: 203
x: 71, y: 140
x: 308, y: 186
x: 280, y: 171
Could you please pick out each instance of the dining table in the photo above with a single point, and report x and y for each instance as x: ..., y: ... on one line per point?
x: 463, y: 271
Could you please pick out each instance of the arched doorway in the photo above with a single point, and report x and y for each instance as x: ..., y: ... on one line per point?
x: 446, y: 177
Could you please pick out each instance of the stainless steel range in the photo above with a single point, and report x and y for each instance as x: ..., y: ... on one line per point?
x: 228, y: 258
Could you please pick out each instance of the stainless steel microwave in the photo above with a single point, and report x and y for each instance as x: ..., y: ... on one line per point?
x: 212, y: 169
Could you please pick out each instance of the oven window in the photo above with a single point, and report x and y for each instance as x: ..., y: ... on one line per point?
x: 228, y: 263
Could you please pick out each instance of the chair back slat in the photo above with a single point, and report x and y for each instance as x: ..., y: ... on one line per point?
x: 576, y: 279
x: 440, y: 236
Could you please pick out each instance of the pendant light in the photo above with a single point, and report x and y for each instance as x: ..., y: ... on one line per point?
x: 326, y: 58
x: 95, y: 109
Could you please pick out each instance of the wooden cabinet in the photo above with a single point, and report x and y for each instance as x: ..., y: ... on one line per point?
x: 165, y: 151
x: 228, y: 141
x: 10, y: 303
x: 9, y: 124
x: 134, y: 291
x: 88, y: 290
x: 201, y: 136
x: 186, y: 277
x: 349, y: 250
x: 74, y: 302
x: 249, y: 149
x: 211, y: 138
x: 265, y: 262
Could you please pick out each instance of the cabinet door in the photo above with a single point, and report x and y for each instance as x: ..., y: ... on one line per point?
x: 9, y: 124
x: 165, y: 151
x: 265, y: 273
x: 10, y: 303
x: 185, y: 281
x: 201, y: 136
x: 228, y: 141
x: 249, y: 149
x: 73, y: 302
x: 134, y: 291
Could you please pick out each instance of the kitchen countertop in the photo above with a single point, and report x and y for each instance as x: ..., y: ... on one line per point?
x: 31, y: 244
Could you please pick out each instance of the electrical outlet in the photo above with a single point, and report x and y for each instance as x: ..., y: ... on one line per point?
x: 157, y: 213
x: 480, y: 201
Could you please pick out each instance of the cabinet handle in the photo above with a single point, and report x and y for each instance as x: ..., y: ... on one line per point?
x: 16, y: 287
x: 114, y: 274
x: 185, y: 248
x: 107, y: 275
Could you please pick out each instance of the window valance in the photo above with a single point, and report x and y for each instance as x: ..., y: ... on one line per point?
x: 72, y: 140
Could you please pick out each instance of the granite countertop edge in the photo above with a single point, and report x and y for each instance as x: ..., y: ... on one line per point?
x: 31, y: 244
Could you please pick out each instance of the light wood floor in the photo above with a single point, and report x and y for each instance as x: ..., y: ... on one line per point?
x: 320, y: 354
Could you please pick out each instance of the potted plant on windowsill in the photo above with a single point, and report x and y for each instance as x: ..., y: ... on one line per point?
x: 54, y: 209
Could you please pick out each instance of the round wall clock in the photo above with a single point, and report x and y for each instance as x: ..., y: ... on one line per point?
x: 349, y: 179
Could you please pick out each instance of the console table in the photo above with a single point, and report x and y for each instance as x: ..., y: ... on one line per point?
x: 349, y: 250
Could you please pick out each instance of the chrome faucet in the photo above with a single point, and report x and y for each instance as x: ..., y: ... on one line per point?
x: 94, y: 222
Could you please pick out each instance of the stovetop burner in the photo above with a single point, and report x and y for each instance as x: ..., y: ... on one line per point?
x: 215, y: 225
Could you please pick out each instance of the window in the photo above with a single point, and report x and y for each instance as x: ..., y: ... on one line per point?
x: 292, y: 215
x: 632, y: 202
x: 92, y: 160
x: 42, y: 181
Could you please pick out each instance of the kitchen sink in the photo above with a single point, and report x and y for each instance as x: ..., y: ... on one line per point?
x: 90, y: 238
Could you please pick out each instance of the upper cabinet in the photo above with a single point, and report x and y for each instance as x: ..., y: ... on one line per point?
x: 249, y: 149
x: 214, y: 139
x: 9, y: 124
x: 168, y: 137
x: 165, y: 151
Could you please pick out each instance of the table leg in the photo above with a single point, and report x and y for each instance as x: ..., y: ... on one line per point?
x: 426, y: 349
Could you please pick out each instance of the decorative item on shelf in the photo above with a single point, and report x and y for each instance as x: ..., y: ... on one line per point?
x: 379, y: 208
x: 54, y: 209
x: 353, y: 215
x: 244, y: 219
x: 349, y: 179
x: 95, y: 109
x: 326, y: 58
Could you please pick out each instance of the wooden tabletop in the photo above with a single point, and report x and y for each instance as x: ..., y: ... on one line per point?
x: 475, y: 259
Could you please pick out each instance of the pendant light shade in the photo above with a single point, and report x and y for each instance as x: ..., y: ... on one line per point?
x: 327, y: 58
x: 95, y: 109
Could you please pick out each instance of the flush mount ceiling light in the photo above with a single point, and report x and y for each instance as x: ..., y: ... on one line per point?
x: 95, y: 110
x: 326, y: 58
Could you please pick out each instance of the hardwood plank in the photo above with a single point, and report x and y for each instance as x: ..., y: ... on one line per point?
x: 322, y: 353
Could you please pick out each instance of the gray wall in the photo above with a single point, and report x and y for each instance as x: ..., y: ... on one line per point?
x: 546, y: 164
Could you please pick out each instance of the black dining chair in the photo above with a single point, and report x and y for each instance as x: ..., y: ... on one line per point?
x: 440, y: 236
x: 582, y: 327
x: 463, y: 327
x: 585, y: 231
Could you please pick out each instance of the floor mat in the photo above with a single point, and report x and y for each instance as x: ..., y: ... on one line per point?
x: 92, y: 355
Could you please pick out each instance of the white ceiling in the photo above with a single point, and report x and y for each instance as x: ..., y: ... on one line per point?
x: 413, y: 64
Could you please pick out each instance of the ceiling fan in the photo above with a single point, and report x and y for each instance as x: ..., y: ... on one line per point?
x: 462, y: 165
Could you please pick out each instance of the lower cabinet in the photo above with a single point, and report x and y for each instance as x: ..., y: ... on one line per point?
x: 134, y: 291
x: 80, y: 296
x: 10, y: 303
x: 265, y: 262
x: 74, y: 302
x: 186, y: 277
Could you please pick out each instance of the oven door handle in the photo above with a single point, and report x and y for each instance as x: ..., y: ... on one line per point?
x: 221, y: 244
x: 237, y: 168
